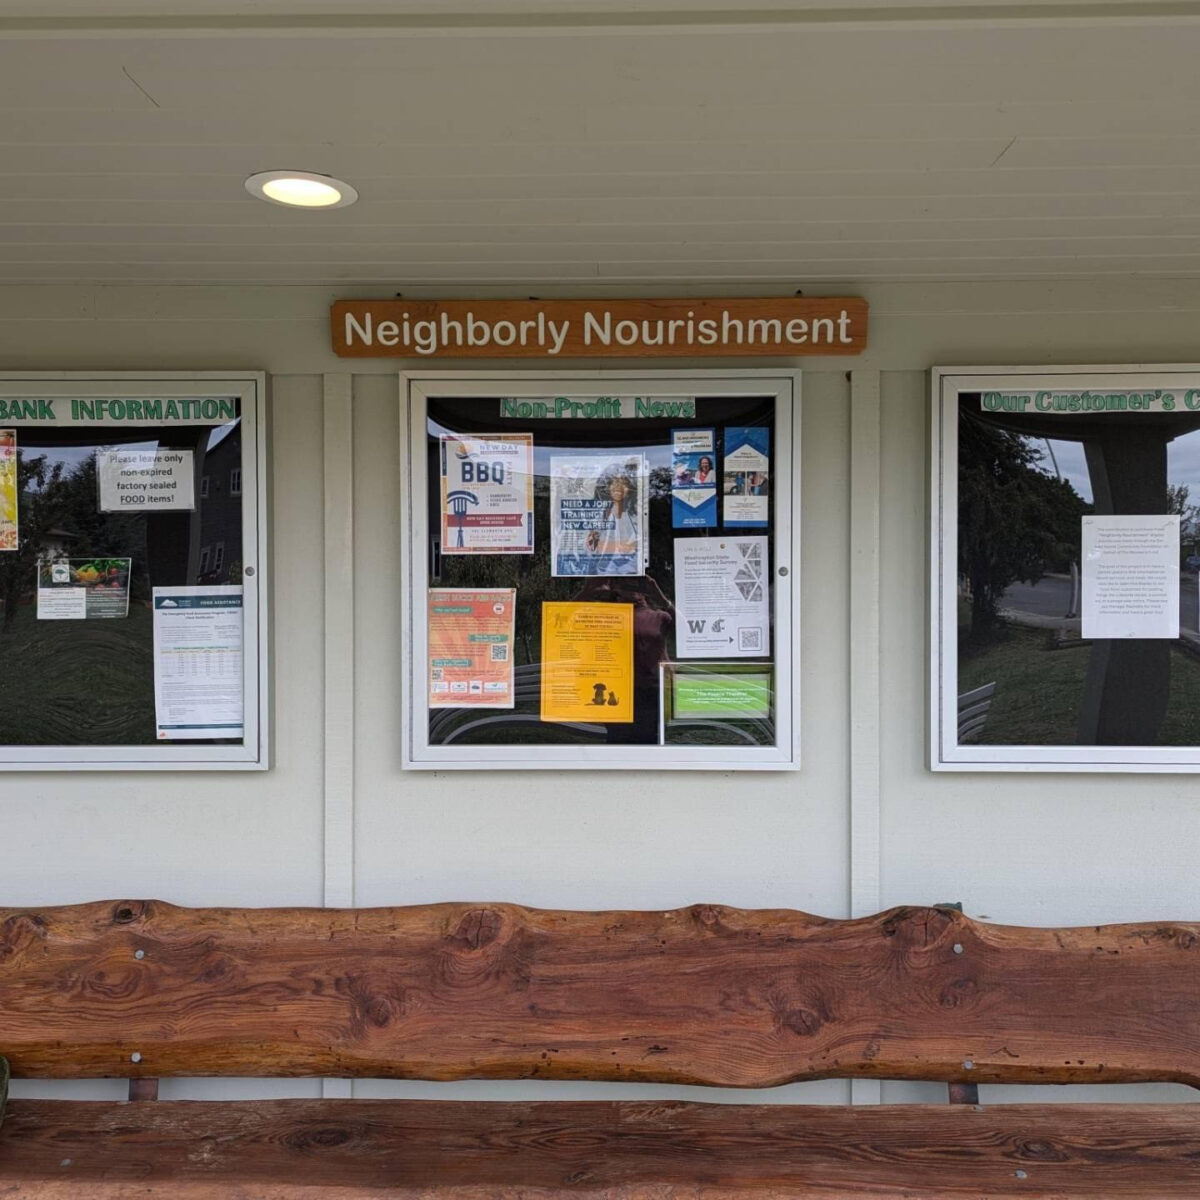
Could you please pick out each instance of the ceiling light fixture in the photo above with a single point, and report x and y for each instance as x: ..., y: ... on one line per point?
x: 301, y: 189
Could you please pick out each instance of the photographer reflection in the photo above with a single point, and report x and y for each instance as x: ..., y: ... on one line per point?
x: 653, y: 624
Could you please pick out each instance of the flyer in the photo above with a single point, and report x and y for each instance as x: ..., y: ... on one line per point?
x: 487, y: 493
x: 137, y: 478
x: 8, y: 489
x: 598, y: 514
x: 694, y: 478
x: 722, y: 597
x: 471, y: 647
x: 198, y: 662
x: 722, y: 691
x: 746, y: 476
x: 587, y: 662
x: 1130, y: 584
x: 83, y: 589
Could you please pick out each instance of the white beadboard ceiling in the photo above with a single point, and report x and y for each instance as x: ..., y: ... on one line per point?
x: 600, y: 145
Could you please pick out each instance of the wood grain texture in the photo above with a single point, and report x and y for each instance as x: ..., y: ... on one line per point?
x: 698, y: 995
x: 647, y: 1151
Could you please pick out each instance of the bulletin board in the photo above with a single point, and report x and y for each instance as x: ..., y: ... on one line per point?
x: 133, y: 618
x: 593, y: 562
x: 1065, y: 574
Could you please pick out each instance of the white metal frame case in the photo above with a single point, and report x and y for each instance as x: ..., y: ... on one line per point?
x: 250, y: 389
x: 945, y: 752
x: 784, y: 386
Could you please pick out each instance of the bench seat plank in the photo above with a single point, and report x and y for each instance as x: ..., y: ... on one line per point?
x: 707, y: 994
x: 405, y: 1150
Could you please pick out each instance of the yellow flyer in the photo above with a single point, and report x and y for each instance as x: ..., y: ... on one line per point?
x: 8, y: 489
x: 471, y: 647
x: 587, y: 662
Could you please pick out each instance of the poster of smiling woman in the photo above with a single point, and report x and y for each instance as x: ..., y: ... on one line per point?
x: 487, y: 493
x: 598, y: 513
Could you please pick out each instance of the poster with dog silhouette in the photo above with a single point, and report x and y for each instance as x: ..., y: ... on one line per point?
x: 587, y: 662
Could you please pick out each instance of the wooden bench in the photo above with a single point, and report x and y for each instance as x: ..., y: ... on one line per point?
x: 702, y: 995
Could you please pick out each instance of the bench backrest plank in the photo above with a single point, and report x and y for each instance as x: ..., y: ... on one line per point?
x: 704, y: 995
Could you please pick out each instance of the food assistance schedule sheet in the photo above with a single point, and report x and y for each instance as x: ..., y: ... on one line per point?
x: 198, y: 662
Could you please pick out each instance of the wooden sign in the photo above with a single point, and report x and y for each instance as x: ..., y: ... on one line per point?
x: 785, y: 326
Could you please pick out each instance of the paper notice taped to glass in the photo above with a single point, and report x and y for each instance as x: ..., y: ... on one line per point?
x: 722, y: 597
x: 1130, y: 586
x: 198, y: 662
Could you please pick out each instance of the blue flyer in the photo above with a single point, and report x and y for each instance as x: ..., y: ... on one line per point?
x: 746, y: 476
x: 693, y: 478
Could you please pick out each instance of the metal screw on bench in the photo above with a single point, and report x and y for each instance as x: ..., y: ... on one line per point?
x: 135, y: 1057
x: 1020, y: 1174
x: 139, y: 954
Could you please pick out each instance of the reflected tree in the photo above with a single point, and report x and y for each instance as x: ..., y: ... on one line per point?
x: 1015, y: 521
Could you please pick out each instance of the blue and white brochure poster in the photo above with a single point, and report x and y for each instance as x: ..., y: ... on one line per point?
x: 746, y: 475
x: 694, y: 478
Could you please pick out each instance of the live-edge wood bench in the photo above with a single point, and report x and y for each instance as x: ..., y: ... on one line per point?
x: 702, y: 995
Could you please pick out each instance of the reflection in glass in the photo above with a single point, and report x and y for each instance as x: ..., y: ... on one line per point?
x: 630, y: 497
x: 89, y: 681
x: 1026, y: 676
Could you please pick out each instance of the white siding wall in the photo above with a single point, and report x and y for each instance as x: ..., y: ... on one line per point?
x: 1019, y: 848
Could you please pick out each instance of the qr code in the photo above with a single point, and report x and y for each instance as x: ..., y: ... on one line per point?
x: 750, y: 639
x: 499, y: 652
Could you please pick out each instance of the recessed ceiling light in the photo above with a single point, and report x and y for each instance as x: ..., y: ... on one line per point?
x: 301, y: 189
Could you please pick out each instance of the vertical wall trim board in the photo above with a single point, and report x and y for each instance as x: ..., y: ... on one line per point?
x: 339, y: 641
x: 865, y: 578
x: 338, y: 458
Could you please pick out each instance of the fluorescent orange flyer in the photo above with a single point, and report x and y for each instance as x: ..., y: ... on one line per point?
x: 471, y: 647
x: 587, y: 662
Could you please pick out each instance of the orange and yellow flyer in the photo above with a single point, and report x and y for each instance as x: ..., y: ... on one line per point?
x: 8, y: 489
x: 471, y: 647
x: 587, y: 662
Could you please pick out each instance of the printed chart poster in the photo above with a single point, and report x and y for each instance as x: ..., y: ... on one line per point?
x: 471, y: 647
x: 722, y: 601
x: 83, y: 589
x: 135, y: 478
x: 1130, y: 586
x: 747, y: 476
x: 487, y: 493
x: 8, y: 489
x: 587, y: 662
x: 694, y: 478
x: 598, y: 514
x: 198, y: 662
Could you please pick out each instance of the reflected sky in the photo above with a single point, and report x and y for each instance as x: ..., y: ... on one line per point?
x: 1183, y: 463
x: 71, y: 456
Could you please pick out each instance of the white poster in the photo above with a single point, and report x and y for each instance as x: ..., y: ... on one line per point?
x: 136, y: 478
x: 722, y: 597
x: 598, y: 513
x: 1131, y: 577
x: 198, y: 662
x: 487, y: 493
